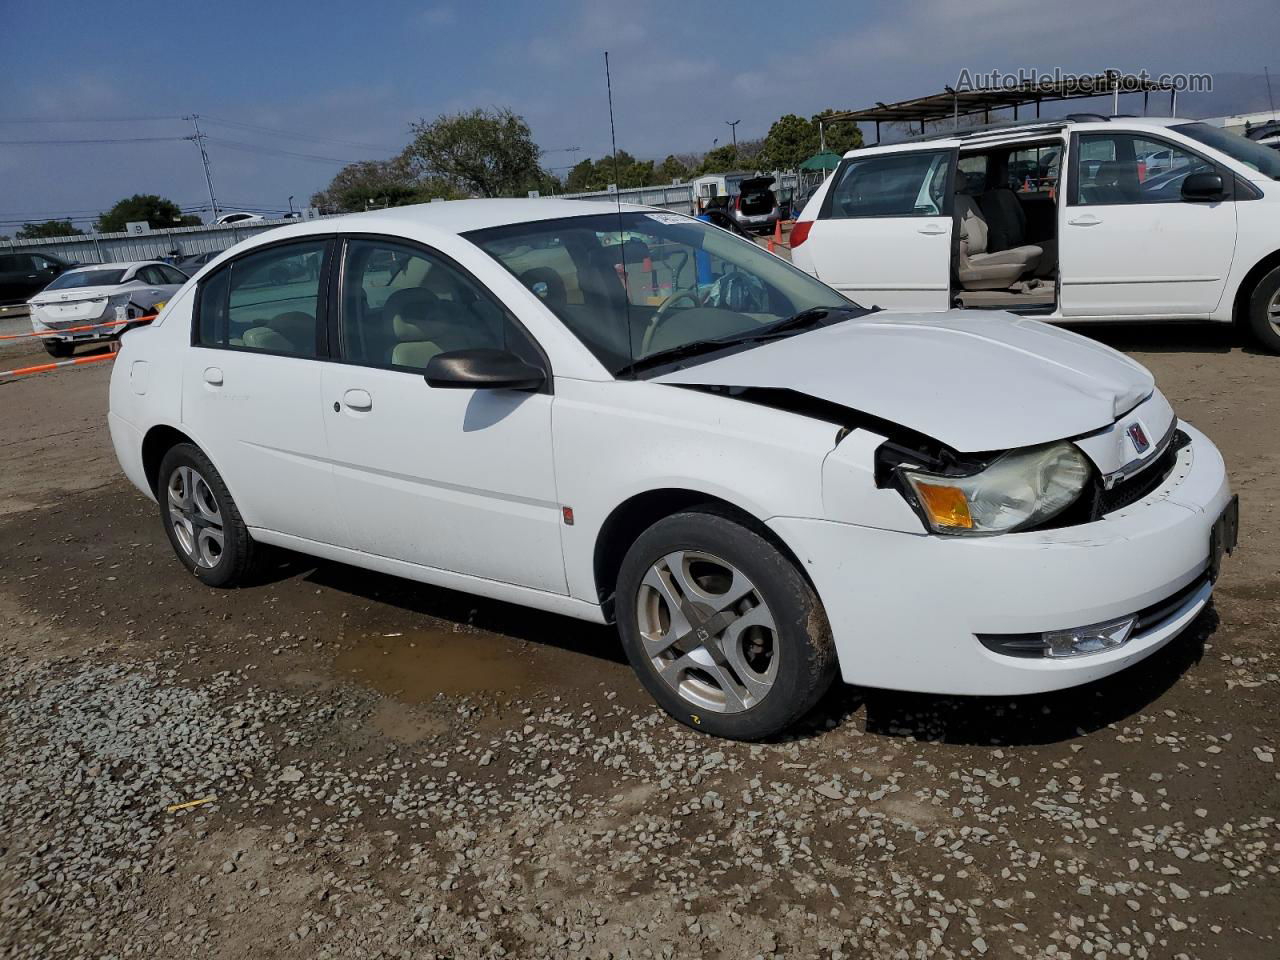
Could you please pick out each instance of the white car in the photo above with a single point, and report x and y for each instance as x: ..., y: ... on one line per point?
x: 94, y: 303
x: 617, y: 413
x: 1156, y: 219
x: 229, y: 218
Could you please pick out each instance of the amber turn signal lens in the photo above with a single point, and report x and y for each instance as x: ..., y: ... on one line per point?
x: 946, y: 506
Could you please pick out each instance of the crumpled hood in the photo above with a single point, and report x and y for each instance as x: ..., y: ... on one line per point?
x: 976, y: 382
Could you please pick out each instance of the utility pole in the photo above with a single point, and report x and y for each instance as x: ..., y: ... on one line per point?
x: 198, y: 138
x: 733, y: 125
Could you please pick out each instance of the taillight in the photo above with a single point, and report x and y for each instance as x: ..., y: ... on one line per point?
x: 800, y: 232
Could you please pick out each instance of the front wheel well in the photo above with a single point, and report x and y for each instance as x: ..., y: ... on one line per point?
x: 634, y: 516
x: 1240, y: 311
x: 158, y: 441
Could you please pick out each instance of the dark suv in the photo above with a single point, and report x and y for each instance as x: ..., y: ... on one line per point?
x: 23, y: 275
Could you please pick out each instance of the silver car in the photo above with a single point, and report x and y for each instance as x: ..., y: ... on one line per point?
x: 96, y: 303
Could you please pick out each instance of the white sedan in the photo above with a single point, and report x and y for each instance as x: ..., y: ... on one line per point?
x: 95, y: 303
x: 617, y: 413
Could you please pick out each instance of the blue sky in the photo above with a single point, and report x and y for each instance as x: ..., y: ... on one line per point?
x: 360, y: 73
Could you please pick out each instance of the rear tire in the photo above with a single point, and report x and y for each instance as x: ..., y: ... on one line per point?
x: 1264, y: 311
x: 201, y: 519
x: 723, y: 630
x: 58, y: 349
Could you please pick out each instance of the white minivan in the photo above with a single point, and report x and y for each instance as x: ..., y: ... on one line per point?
x: 625, y: 414
x: 1148, y: 220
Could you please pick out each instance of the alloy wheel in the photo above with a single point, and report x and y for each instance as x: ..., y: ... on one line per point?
x: 707, y: 631
x: 196, y: 517
x: 1273, y: 311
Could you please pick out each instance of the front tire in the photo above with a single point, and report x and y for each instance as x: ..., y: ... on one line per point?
x: 1264, y: 311
x: 722, y: 628
x: 59, y: 350
x: 201, y: 519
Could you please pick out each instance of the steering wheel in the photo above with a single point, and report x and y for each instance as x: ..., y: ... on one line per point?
x: 663, y: 314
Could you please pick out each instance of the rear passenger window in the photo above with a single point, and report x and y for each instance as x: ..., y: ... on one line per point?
x: 267, y: 301
x: 402, y: 305
x: 891, y: 185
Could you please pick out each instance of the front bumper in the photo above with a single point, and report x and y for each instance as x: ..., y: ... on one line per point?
x: 906, y: 610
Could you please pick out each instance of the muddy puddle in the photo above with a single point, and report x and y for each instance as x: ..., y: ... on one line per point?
x: 416, y: 665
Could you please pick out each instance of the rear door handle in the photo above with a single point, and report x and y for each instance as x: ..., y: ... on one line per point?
x: 358, y: 400
x: 932, y: 230
x: 213, y: 376
x: 1084, y: 220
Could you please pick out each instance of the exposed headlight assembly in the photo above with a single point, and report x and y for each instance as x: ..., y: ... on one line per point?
x: 1017, y: 490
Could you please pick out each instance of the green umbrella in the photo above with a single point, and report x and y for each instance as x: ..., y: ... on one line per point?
x: 826, y: 160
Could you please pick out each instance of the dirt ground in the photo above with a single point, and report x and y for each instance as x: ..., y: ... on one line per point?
x: 381, y: 769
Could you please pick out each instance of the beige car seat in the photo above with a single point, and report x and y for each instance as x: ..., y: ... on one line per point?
x: 977, y: 269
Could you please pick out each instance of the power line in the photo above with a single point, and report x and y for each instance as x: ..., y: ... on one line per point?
x: 276, y: 151
x: 275, y: 131
x: 28, y: 143
x: 85, y: 119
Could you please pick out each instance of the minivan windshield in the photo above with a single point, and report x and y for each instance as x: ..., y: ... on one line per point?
x: 87, y: 278
x: 644, y: 289
x: 1255, y: 155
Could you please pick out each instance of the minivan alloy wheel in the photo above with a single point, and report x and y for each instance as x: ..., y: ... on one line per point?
x: 707, y: 631
x: 196, y: 517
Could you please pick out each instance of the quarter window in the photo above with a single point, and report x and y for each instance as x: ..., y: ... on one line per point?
x: 267, y: 301
x: 1123, y: 168
x: 402, y: 305
x: 891, y: 185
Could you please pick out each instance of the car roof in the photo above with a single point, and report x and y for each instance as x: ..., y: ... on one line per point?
x: 1019, y: 131
x: 113, y: 265
x: 447, y: 217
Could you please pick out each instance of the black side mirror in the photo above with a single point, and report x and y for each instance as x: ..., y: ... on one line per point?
x: 483, y: 369
x: 1199, y: 187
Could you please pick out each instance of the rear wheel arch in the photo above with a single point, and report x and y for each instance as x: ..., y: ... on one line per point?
x: 629, y: 519
x: 158, y: 441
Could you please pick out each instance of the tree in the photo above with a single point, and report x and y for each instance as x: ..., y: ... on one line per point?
x: 842, y: 135
x: 50, y: 228
x: 374, y: 183
x: 588, y: 175
x: 157, y: 211
x: 790, y: 141
x: 720, y: 160
x: 486, y: 152
x: 672, y: 168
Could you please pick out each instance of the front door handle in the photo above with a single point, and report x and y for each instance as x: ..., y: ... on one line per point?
x: 213, y: 376
x: 932, y: 230
x: 1085, y: 220
x: 358, y: 400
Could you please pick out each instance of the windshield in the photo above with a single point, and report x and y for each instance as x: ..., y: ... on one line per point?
x: 634, y: 285
x: 1254, y: 155
x: 87, y: 278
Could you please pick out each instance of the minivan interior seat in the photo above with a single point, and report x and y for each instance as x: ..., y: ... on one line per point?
x: 978, y: 269
x: 1007, y: 228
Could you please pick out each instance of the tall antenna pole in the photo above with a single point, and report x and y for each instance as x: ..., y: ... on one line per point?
x: 204, y: 158
x: 733, y: 125
x: 617, y: 196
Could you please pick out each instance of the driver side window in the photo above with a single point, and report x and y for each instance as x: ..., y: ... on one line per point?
x: 403, y: 305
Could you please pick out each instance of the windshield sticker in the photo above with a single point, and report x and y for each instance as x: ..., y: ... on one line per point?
x: 668, y: 217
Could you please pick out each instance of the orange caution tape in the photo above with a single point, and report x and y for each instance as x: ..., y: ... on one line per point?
x: 46, y: 367
x: 91, y: 326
